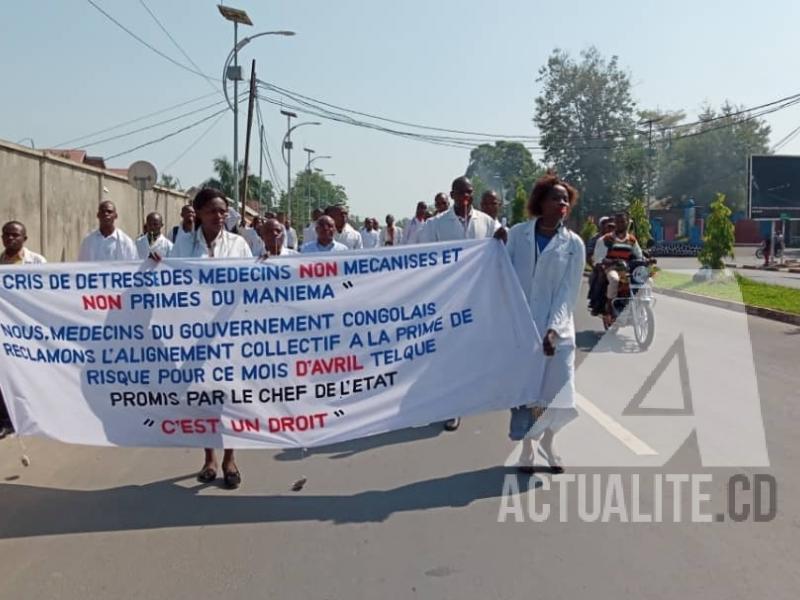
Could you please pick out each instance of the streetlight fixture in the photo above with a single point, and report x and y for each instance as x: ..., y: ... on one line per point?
x: 287, y: 156
x: 234, y: 73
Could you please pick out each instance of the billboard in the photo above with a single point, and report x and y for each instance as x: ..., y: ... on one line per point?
x: 774, y: 190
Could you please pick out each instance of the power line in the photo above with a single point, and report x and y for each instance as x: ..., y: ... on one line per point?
x: 146, y: 44
x: 136, y: 120
x: 194, y: 143
x: 174, y: 41
x: 273, y: 172
x: 153, y: 126
x: 167, y: 136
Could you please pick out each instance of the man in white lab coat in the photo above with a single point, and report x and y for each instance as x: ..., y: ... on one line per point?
x: 252, y: 235
x: 273, y: 235
x: 462, y: 222
x: 153, y: 242
x: 107, y: 242
x: 441, y: 202
x: 345, y: 233
x: 391, y: 235
x: 370, y: 235
x: 412, y: 233
x: 186, y: 226
x: 324, y: 241
x: 310, y: 232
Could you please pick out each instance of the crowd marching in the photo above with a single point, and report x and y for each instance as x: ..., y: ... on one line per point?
x: 547, y: 257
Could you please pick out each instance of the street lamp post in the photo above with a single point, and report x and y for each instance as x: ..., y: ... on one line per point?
x: 236, y: 16
x: 287, y: 156
x: 308, y: 152
x: 234, y: 73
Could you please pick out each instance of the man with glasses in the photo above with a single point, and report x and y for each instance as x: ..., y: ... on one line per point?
x: 461, y: 222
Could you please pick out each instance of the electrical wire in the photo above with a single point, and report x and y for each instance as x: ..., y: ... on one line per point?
x: 195, y: 142
x: 167, y: 136
x: 136, y: 120
x: 146, y: 44
x: 153, y: 125
x: 175, y: 42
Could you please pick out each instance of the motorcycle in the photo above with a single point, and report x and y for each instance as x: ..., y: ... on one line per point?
x: 634, y: 302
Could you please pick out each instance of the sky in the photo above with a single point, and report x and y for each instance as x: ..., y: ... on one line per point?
x: 460, y: 64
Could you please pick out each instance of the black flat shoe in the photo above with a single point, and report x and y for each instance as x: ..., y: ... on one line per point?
x: 452, y: 424
x: 233, y: 479
x: 207, y: 475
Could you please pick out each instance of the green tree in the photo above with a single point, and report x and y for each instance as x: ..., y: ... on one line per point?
x: 501, y: 167
x: 518, y: 207
x: 639, y: 221
x: 711, y: 157
x: 584, y: 110
x: 168, y: 181
x: 224, y: 181
x: 589, y: 229
x: 310, y: 190
x: 719, y: 237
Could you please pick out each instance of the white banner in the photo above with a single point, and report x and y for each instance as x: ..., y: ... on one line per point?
x: 290, y: 352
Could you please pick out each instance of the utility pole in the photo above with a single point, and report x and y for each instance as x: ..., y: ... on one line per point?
x: 649, y: 183
x: 288, y: 146
x: 247, y: 137
x: 308, y: 152
x: 260, y: 170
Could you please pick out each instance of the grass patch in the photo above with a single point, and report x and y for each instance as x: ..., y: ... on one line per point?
x: 752, y: 293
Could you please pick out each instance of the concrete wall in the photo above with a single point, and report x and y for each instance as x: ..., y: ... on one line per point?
x: 57, y: 200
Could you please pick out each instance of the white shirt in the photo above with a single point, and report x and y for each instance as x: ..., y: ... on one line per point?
x: 398, y: 236
x: 233, y: 219
x: 413, y: 229
x: 310, y: 233
x: 315, y: 247
x: 284, y: 252
x: 291, y: 237
x: 349, y: 237
x: 162, y: 246
x: 95, y: 247
x: 253, y: 240
x: 370, y: 239
x: 28, y: 257
x: 225, y: 245
x: 182, y: 233
x: 448, y: 226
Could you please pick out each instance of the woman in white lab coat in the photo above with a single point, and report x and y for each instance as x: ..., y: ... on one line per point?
x: 212, y: 240
x: 549, y: 260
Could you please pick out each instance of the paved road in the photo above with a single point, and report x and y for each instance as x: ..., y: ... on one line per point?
x: 744, y: 255
x: 415, y: 514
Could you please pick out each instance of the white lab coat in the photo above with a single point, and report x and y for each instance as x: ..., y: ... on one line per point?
x: 226, y: 245
x: 310, y: 233
x: 398, y: 236
x: 412, y: 232
x: 162, y: 246
x: 349, y: 237
x: 95, y: 247
x: 551, y: 282
x: 448, y: 227
x: 370, y: 239
x: 253, y: 240
x: 291, y: 237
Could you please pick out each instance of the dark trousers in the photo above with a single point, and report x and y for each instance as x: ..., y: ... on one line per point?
x: 4, y: 418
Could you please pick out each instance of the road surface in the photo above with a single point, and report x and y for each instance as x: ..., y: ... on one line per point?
x: 414, y: 514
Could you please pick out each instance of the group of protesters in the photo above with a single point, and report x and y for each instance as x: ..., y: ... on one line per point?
x: 547, y: 257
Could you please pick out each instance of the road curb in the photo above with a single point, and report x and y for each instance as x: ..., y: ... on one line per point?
x: 758, y: 311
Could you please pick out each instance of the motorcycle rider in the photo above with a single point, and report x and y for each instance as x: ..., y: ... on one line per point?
x: 618, y: 246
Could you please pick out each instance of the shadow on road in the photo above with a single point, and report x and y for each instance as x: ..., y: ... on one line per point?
x: 33, y: 511
x: 347, y: 449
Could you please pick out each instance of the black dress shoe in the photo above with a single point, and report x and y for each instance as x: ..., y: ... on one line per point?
x: 452, y: 424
